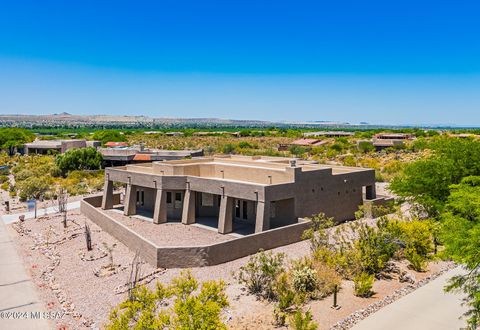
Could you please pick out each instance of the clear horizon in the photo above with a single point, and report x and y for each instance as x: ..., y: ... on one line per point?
x: 403, y: 63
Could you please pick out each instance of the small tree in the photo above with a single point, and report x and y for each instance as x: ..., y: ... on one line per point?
x: 260, y: 272
x: 134, y: 276
x: 62, y: 200
x: 88, y: 237
x: 79, y: 159
x: 110, y: 254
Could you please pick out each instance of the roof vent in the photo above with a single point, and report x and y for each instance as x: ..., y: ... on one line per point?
x: 293, y: 163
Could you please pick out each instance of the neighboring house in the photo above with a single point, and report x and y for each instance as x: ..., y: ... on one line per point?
x: 174, y: 134
x: 393, y: 136
x: 260, y: 193
x: 59, y: 146
x: 116, y: 144
x: 390, y: 140
x: 330, y: 134
x: 306, y: 143
x: 119, y: 156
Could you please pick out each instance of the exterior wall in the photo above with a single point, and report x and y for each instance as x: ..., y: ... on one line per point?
x: 338, y: 196
x: 70, y: 144
x: 283, y: 213
x: 191, y: 256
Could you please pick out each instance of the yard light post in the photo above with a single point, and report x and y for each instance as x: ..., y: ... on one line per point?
x: 335, y: 291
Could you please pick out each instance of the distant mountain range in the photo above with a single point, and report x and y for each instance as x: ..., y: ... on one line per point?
x: 65, y: 119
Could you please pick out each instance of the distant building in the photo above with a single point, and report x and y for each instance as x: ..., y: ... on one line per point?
x: 380, y: 144
x: 120, y: 156
x: 116, y: 144
x: 58, y: 146
x: 174, y: 134
x: 390, y: 140
x: 306, y: 143
x: 329, y: 134
x: 393, y: 136
x: 210, y: 133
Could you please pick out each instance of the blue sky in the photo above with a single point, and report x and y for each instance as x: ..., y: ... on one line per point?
x: 398, y: 62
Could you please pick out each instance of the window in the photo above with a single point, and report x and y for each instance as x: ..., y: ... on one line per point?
x: 169, y: 197
x: 178, y: 200
x: 273, y: 210
x: 206, y: 200
x: 237, y: 208
x: 140, y: 197
x: 245, y: 210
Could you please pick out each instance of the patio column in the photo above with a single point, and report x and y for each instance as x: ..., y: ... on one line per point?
x: 262, y: 221
x: 130, y: 201
x: 370, y: 192
x: 188, y: 212
x: 225, y: 216
x: 107, y: 199
x: 160, y: 208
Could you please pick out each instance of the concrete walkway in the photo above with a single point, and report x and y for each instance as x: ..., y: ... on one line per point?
x: 17, y: 291
x: 9, y: 218
x: 429, y: 307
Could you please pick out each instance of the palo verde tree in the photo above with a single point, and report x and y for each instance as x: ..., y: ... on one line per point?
x: 426, y: 182
x: 461, y: 236
x: 109, y: 136
x: 12, y: 138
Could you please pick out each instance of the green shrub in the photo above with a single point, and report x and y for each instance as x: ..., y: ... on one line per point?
x: 182, y: 305
x: 260, y: 273
x: 327, y: 279
x: 304, y: 279
x: 302, y: 321
x: 286, y: 299
x: 417, y: 262
x: 5, y: 186
x: 363, y: 284
x: 374, y: 247
x: 3, y: 178
x: 418, y: 238
x: 228, y: 148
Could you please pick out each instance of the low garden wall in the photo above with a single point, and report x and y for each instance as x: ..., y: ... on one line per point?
x: 191, y: 256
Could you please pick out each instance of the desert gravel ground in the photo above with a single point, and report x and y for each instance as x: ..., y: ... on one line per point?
x: 170, y: 233
x: 66, y: 280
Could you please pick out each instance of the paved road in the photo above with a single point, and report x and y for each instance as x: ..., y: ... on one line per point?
x: 426, y: 308
x: 17, y: 291
x: 9, y: 218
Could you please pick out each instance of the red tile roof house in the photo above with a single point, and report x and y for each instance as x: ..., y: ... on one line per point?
x: 116, y: 144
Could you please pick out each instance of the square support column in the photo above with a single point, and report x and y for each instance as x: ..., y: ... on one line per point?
x: 130, y: 202
x: 225, y: 216
x: 160, y: 208
x: 262, y: 221
x: 370, y: 192
x: 107, y: 199
x: 188, y: 212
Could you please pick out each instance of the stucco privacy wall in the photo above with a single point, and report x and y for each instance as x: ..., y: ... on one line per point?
x: 191, y: 256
